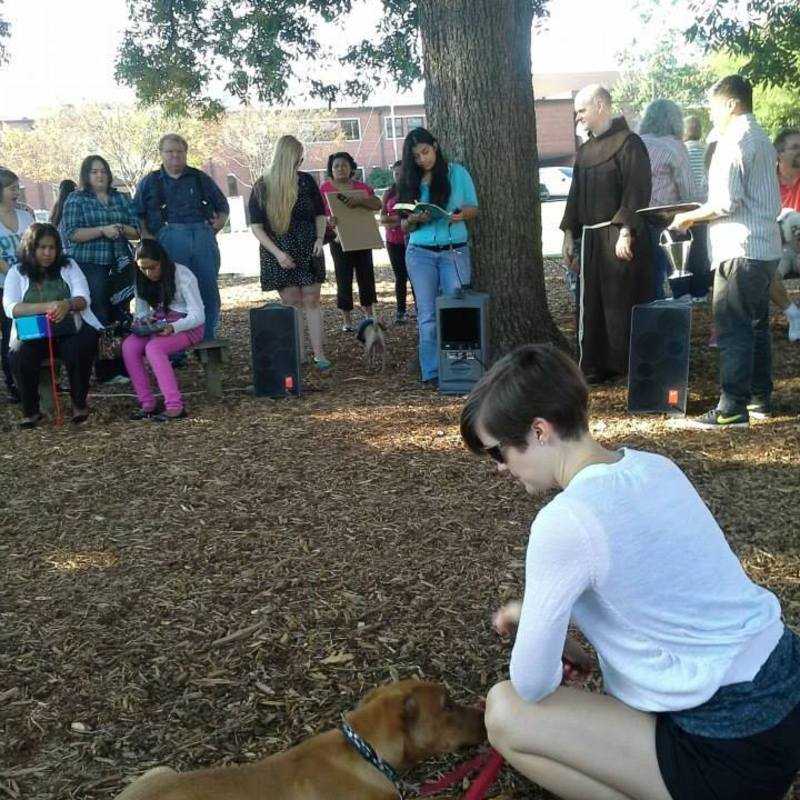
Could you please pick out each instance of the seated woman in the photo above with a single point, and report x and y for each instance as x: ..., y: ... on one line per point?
x: 45, y: 282
x: 702, y: 678
x: 168, y: 302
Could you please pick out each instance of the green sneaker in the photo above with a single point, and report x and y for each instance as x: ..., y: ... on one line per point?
x: 759, y: 409
x: 717, y: 420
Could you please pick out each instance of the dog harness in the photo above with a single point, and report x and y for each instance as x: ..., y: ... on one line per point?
x: 367, y: 752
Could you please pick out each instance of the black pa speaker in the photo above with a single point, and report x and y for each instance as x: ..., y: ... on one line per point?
x: 658, y: 374
x: 274, y: 341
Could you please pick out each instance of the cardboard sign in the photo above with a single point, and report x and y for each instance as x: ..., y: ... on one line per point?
x: 357, y: 228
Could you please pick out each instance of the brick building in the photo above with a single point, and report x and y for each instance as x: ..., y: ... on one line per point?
x: 374, y: 135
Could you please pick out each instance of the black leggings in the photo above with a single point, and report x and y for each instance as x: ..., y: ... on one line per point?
x: 397, y: 258
x: 345, y: 264
x: 76, y: 351
x: 5, y: 338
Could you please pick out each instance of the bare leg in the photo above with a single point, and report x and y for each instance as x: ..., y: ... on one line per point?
x: 293, y: 296
x: 577, y: 744
x: 314, y: 318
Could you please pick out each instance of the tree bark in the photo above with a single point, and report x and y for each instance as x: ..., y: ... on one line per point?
x: 479, y: 103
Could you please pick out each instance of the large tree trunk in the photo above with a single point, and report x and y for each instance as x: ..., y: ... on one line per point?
x: 479, y: 102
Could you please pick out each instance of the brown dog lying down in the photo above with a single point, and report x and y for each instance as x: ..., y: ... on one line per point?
x: 405, y: 722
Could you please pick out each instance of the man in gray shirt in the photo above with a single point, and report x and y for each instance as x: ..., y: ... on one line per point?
x: 742, y: 209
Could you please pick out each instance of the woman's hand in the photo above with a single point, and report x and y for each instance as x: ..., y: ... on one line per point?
x: 111, y: 231
x: 285, y: 261
x: 351, y: 201
x: 167, y: 330
x: 318, y: 248
x: 624, y: 249
x: 419, y: 219
x: 3, y: 266
x: 57, y: 310
x: 506, y: 619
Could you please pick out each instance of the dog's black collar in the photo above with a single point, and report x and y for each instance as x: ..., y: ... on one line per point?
x: 367, y: 752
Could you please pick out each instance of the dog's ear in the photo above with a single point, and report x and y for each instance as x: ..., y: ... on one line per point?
x: 410, y: 711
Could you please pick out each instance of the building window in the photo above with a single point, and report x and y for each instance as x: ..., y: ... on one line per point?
x: 402, y: 126
x: 334, y: 130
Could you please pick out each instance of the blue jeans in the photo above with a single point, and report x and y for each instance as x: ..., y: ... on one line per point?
x: 433, y: 273
x: 741, y: 317
x: 194, y: 245
x: 661, y: 265
x: 98, y: 278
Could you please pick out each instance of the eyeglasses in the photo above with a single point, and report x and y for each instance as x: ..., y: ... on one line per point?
x: 495, y: 452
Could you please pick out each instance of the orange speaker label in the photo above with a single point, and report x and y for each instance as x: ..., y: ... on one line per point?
x: 672, y: 397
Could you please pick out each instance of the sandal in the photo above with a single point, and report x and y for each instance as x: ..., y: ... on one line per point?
x: 79, y: 419
x: 164, y: 417
x: 140, y: 414
x: 30, y: 422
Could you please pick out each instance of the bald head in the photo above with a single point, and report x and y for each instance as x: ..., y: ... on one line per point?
x: 593, y: 108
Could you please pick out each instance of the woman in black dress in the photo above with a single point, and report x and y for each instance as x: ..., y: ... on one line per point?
x: 287, y: 216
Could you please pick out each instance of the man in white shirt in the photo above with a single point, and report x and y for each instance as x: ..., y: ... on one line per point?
x: 742, y: 209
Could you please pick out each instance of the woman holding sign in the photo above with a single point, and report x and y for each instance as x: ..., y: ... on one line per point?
x: 437, y: 255
x: 341, y: 169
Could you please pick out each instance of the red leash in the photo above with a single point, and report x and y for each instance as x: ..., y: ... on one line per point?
x: 59, y: 416
x: 487, y: 765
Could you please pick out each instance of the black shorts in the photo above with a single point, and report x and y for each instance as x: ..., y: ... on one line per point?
x: 758, y: 767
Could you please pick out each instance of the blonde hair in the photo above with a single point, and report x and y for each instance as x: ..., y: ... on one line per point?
x: 280, y: 183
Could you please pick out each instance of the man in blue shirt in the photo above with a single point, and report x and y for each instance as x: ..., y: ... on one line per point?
x: 184, y: 209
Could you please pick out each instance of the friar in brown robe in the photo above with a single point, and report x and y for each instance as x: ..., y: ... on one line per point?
x: 610, y: 180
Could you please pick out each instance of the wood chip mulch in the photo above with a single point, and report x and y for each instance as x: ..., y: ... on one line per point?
x: 210, y: 591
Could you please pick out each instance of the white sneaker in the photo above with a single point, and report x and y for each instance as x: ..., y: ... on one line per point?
x: 793, y: 315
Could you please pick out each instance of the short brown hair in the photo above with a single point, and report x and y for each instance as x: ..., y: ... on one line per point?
x: 535, y: 380
x: 172, y: 137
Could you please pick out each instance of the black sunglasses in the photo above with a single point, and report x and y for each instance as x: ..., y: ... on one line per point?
x: 495, y: 452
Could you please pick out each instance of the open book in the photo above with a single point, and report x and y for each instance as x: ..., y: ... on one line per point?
x: 435, y: 212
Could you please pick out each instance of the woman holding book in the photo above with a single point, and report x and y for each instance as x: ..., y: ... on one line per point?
x: 437, y: 255
x: 341, y: 178
x: 396, y: 243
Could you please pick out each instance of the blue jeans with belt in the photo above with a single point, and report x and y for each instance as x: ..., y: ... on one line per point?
x: 433, y: 273
x: 194, y: 244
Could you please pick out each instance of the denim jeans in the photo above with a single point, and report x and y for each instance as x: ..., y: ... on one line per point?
x: 741, y: 318
x: 99, y: 280
x: 433, y: 273
x: 661, y: 266
x: 194, y: 245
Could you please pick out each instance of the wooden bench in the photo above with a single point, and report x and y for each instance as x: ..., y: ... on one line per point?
x: 212, y: 356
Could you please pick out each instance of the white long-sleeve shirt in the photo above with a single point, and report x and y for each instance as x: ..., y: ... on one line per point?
x: 18, y: 284
x: 186, y: 301
x: 631, y: 553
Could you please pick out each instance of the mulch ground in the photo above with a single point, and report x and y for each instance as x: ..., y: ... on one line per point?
x: 214, y: 590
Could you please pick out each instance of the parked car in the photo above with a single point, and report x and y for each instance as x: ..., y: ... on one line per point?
x: 556, y: 179
x: 544, y: 194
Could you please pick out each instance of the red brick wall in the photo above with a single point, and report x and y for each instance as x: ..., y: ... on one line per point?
x: 554, y: 131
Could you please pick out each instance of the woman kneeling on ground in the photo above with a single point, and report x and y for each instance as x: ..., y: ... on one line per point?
x: 702, y: 678
x: 46, y: 282
x: 168, y: 302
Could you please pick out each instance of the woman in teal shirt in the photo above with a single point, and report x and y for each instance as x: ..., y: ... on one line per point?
x: 437, y: 255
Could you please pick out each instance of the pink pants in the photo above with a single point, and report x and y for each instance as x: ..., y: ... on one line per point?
x: 156, y: 350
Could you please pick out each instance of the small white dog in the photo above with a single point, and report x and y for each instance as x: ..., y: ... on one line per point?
x: 370, y: 334
x: 789, y: 222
